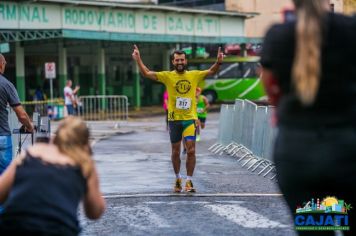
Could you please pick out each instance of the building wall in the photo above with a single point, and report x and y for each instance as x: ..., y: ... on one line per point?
x: 350, y: 6
x: 270, y: 12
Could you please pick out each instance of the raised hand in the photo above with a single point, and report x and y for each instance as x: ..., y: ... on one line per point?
x: 220, y: 56
x: 135, y: 53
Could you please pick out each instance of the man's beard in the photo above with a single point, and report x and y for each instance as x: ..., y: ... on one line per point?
x: 180, y: 67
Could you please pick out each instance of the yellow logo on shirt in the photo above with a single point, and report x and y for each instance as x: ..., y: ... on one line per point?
x: 183, y: 86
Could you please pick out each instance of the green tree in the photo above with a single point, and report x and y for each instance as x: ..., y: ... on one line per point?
x: 348, y: 207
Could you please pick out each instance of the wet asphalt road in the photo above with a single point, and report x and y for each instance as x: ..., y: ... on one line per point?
x: 136, y: 178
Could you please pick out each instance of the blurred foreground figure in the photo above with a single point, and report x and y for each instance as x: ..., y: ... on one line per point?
x: 42, y: 188
x: 309, y: 71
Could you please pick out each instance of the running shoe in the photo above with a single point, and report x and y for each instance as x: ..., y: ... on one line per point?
x: 178, y: 186
x: 189, y: 187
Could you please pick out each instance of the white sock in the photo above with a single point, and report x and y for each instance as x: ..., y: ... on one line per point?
x: 189, y: 177
x: 178, y: 176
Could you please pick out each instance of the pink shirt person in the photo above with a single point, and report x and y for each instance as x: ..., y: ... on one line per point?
x: 165, y: 100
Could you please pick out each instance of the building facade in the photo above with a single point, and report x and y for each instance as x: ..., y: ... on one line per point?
x: 91, y: 43
x: 271, y: 12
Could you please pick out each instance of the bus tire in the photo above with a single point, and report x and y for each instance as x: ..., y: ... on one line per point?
x: 210, y: 95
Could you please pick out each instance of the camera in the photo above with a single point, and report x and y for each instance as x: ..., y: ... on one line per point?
x: 42, y: 131
x: 42, y: 128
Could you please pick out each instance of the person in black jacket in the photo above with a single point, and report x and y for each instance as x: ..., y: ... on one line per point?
x: 309, y: 72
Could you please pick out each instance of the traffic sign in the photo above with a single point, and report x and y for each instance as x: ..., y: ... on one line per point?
x: 50, y: 70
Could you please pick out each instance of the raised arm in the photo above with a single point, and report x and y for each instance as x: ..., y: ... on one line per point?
x: 143, y: 69
x: 75, y: 91
x: 215, y: 67
x: 23, y: 117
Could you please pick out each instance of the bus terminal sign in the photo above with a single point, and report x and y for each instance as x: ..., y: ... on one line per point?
x: 49, y: 16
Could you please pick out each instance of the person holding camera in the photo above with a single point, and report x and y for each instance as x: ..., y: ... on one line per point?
x: 41, y: 190
x: 9, y: 96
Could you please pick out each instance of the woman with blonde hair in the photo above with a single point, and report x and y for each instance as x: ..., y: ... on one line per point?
x: 309, y: 72
x: 42, y: 188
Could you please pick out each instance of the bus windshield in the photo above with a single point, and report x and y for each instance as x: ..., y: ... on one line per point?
x: 231, y: 70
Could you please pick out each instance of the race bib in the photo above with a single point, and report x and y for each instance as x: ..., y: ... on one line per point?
x: 200, y: 110
x: 183, y: 103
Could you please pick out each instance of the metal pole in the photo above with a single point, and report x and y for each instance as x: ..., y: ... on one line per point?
x: 51, y: 89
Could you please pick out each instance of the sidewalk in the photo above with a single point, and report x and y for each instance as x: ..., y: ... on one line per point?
x: 101, y: 130
x: 144, y: 112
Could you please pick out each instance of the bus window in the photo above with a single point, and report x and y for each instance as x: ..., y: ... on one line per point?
x: 229, y: 70
x: 249, y: 69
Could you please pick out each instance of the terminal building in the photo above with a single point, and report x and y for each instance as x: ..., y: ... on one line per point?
x: 91, y: 43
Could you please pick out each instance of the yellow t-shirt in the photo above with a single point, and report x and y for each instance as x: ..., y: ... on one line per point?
x: 181, y: 92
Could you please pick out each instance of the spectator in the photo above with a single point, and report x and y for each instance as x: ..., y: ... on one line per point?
x: 202, y: 110
x: 69, y: 97
x: 42, y: 189
x: 38, y: 96
x: 9, y: 96
x: 315, y: 97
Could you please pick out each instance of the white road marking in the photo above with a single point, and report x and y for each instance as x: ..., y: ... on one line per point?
x: 177, y: 202
x: 141, y: 217
x: 231, y: 202
x: 243, y: 216
x: 139, y: 195
x: 93, y: 143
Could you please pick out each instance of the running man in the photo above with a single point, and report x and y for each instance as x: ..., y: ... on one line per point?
x: 202, y: 110
x: 181, y: 85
